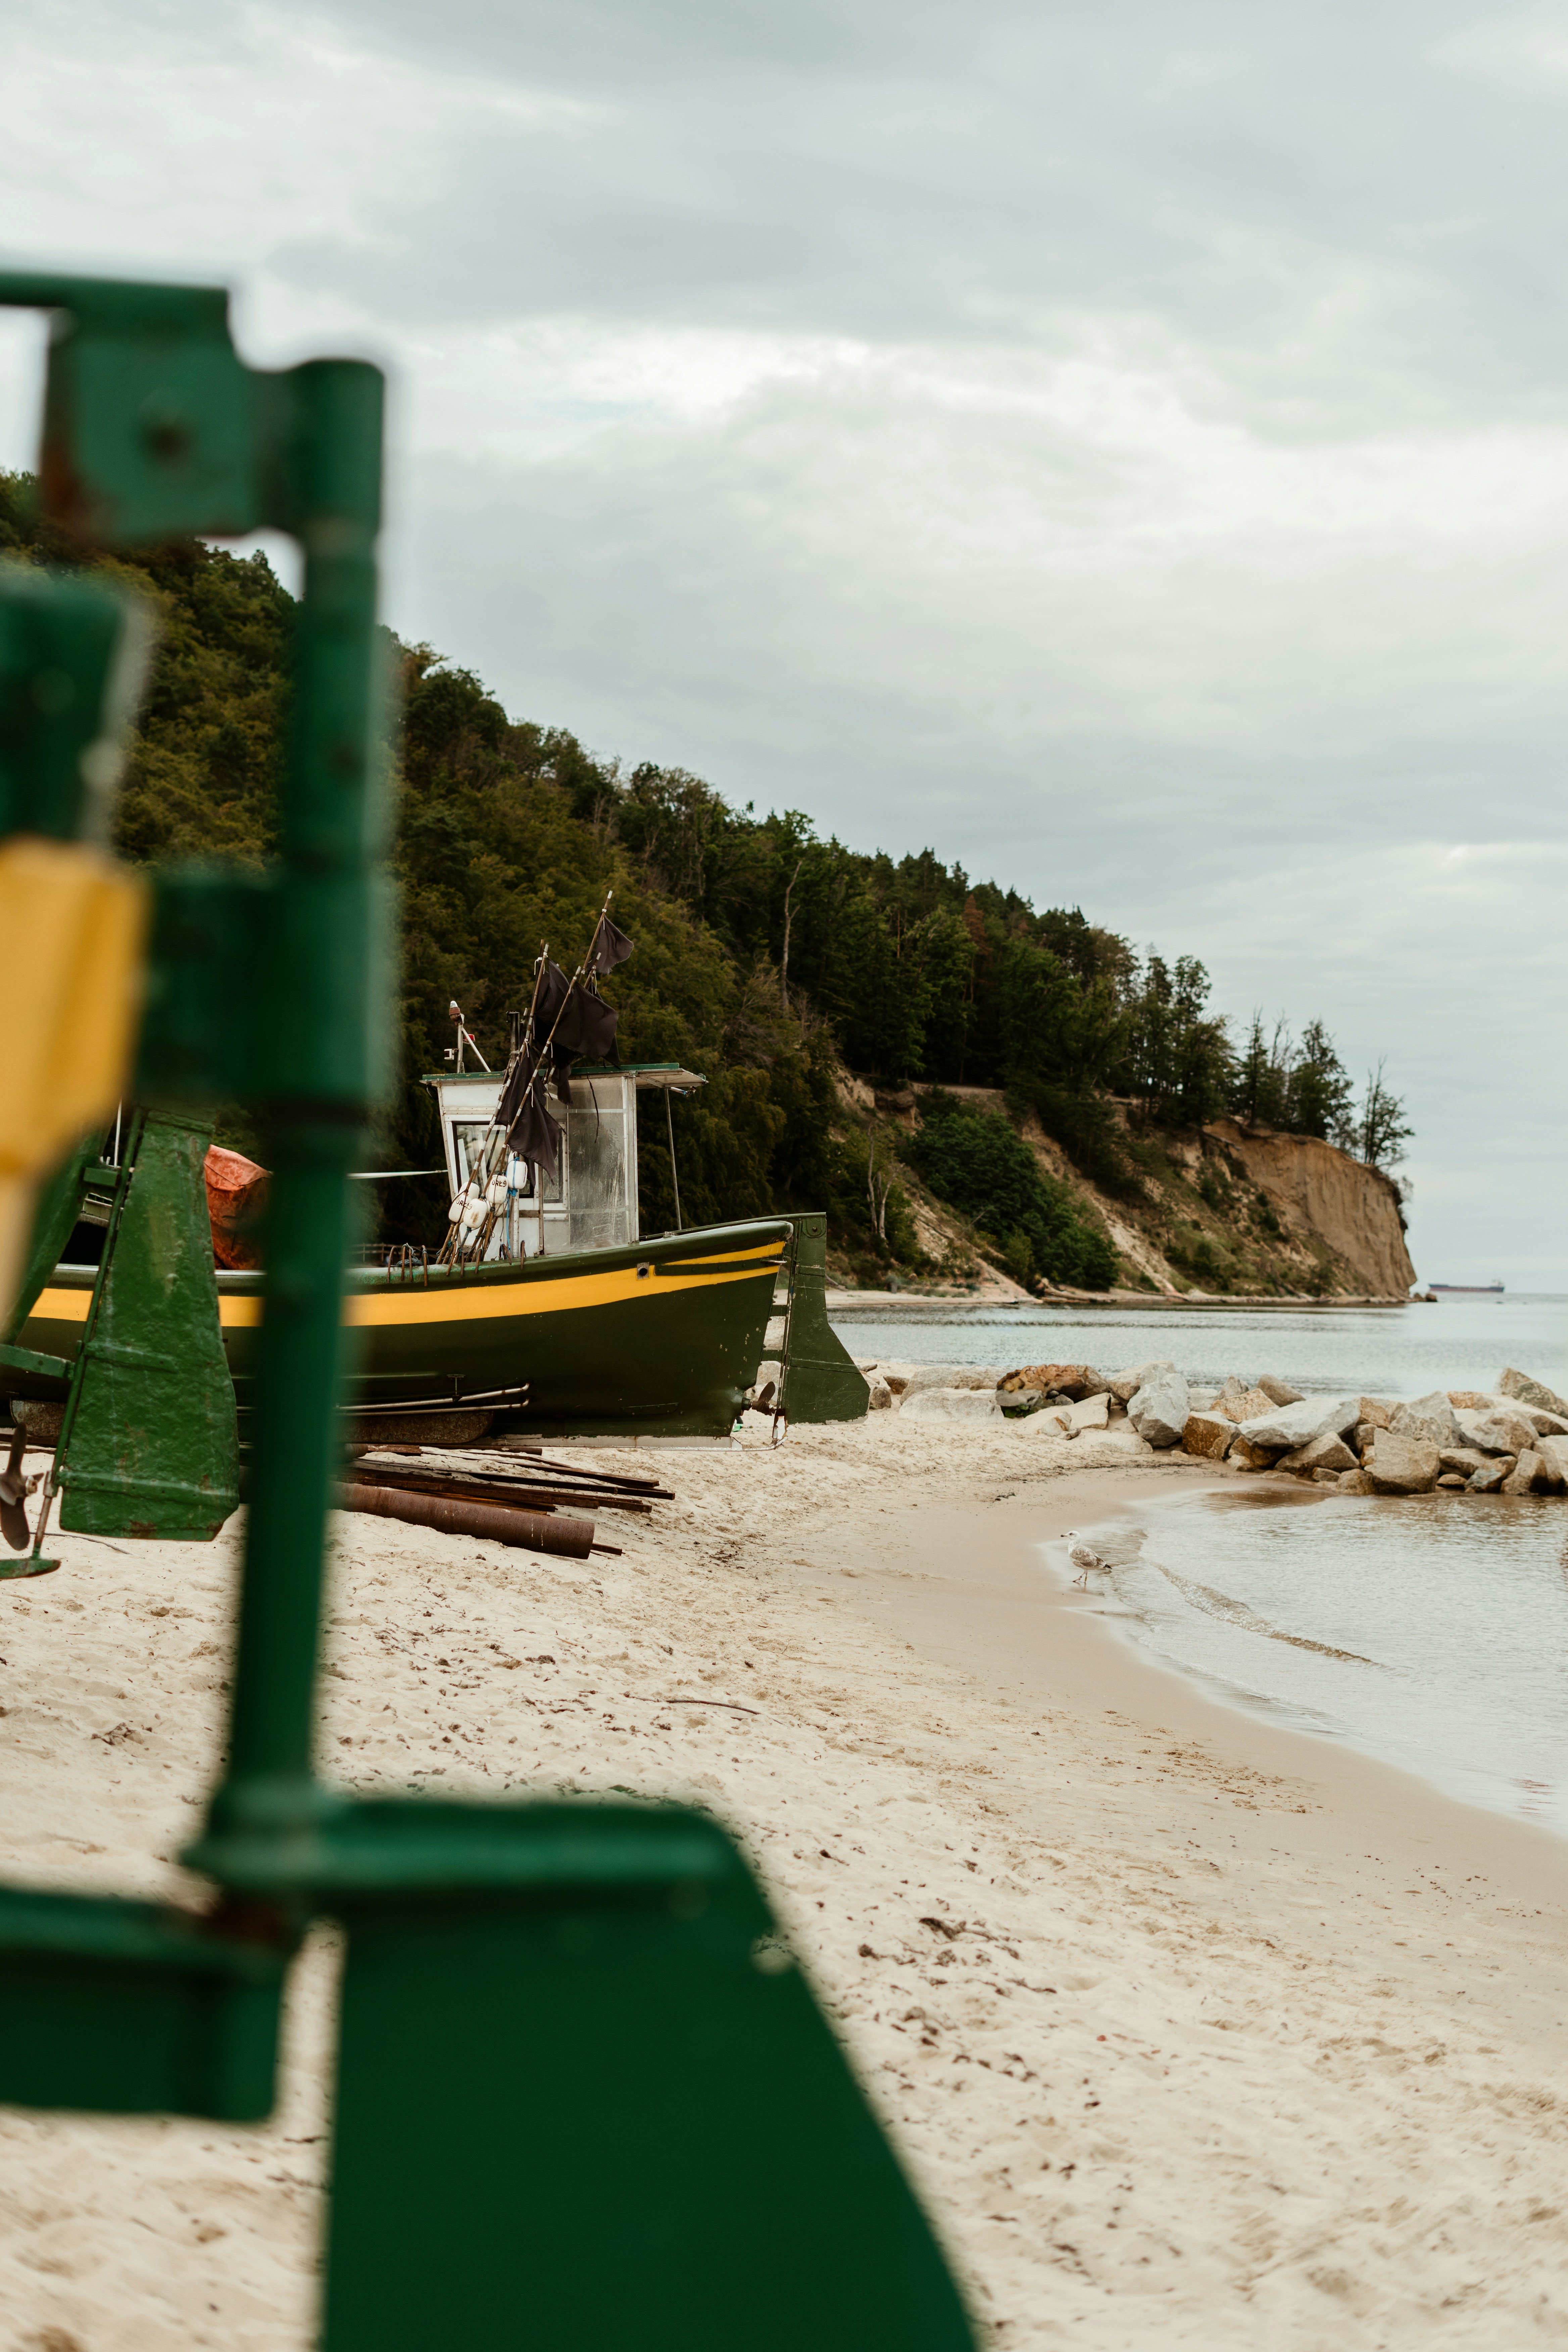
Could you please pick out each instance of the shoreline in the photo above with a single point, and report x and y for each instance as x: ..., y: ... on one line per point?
x: 1223, y: 2034
x: 981, y: 1609
x: 926, y: 1306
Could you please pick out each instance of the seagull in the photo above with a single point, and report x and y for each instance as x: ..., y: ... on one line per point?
x: 1084, y: 1558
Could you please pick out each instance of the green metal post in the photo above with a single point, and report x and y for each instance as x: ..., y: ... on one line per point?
x: 318, y: 1071
x: 155, y: 424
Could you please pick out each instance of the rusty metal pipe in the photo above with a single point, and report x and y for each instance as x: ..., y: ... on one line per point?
x: 533, y: 1531
x: 634, y: 1483
x: 524, y: 1495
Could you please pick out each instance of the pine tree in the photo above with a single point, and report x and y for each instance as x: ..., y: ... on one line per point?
x: 1381, y: 1131
x: 1319, y: 1092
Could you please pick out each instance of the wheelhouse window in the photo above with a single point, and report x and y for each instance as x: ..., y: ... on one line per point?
x: 467, y: 1149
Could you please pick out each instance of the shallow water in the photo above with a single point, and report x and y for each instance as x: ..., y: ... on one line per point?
x: 1459, y: 1343
x: 1449, y: 1618
x: 1430, y: 1631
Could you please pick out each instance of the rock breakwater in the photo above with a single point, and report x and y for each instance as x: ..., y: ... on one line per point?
x: 1511, y: 1439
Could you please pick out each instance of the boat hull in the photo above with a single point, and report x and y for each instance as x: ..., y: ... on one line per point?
x: 662, y: 1337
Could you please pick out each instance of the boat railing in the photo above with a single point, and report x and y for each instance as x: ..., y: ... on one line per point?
x: 399, y: 1261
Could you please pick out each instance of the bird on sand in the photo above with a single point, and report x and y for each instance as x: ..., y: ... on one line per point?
x: 1084, y: 1558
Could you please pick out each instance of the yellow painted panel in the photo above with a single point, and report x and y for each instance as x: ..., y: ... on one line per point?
x: 62, y: 1307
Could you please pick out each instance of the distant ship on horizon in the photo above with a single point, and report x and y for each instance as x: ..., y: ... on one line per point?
x: 1466, y: 1289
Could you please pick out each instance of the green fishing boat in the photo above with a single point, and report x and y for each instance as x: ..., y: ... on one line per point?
x: 658, y: 1338
x: 546, y: 1313
x: 560, y: 1320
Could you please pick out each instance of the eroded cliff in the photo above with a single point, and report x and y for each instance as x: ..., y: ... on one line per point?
x: 1325, y: 1195
x: 1224, y: 1211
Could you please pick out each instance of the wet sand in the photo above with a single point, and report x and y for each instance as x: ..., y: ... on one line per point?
x: 1226, y: 2035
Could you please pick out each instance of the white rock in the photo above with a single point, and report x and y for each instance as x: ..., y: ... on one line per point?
x: 1324, y: 1452
x: 1091, y: 1415
x: 1507, y: 1431
x: 1158, y: 1410
x: 1126, y: 1385
x: 1544, y: 1424
x: 1122, y: 1437
x: 1209, y: 1435
x: 1289, y: 1425
x: 949, y: 1376
x: 1553, y: 1452
x: 1529, y: 1473
x: 1397, y: 1464
x: 1050, y: 1422
x: 1464, y: 1459
x: 1239, y: 1404
x: 951, y: 1404
x: 1527, y: 1390
x: 1428, y: 1421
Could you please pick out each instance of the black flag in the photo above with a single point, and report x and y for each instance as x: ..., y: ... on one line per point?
x: 610, y: 947
x: 531, y: 1134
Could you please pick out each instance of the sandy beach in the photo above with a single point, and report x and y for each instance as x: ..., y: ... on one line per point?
x: 1193, y: 2031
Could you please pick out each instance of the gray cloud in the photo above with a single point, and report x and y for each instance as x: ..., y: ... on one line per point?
x: 1123, y: 448
x: 1341, y: 199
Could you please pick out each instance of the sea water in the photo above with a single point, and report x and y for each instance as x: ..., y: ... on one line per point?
x: 1430, y: 1629
x: 1459, y: 1343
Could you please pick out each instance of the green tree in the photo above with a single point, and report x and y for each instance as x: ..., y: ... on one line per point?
x: 1261, y: 1080
x: 1320, y: 1089
x: 940, y: 949
x: 1380, y: 1130
x: 1176, y: 1054
x: 977, y: 1162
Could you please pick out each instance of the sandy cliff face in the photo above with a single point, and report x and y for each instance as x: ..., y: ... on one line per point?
x: 1319, y: 1192
x: 1227, y: 1211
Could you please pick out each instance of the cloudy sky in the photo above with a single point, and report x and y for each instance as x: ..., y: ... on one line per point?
x: 1122, y: 447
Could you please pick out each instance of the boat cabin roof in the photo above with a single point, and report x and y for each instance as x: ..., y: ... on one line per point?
x: 642, y: 1073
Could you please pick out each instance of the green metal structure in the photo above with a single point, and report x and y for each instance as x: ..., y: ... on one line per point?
x: 147, y: 1445
x: 147, y: 1442
x: 820, y: 1379
x: 583, y: 2095
x: 34, y: 1370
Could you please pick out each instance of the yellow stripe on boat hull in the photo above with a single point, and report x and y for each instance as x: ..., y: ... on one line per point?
x: 406, y: 1306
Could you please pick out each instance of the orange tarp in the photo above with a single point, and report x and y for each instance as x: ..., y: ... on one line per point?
x: 237, y: 1194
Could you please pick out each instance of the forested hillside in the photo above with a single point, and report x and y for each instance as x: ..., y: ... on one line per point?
x: 765, y: 954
